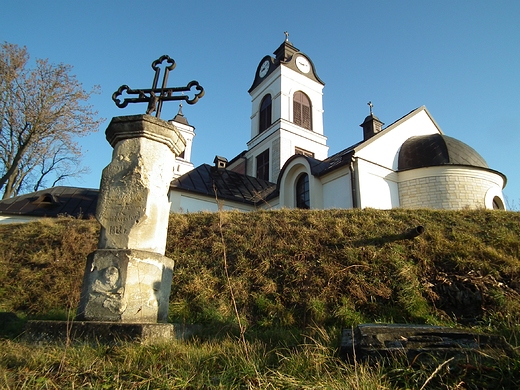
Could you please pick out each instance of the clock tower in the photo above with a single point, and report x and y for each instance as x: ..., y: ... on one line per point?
x: 287, y: 114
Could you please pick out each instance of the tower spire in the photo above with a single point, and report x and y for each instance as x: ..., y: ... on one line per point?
x: 371, y: 125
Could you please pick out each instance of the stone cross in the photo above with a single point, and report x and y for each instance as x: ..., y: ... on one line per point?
x: 128, y: 278
x: 156, y: 96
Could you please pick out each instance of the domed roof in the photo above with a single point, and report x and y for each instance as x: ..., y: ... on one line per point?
x: 437, y: 149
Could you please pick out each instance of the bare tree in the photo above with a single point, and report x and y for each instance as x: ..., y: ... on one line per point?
x: 43, y: 111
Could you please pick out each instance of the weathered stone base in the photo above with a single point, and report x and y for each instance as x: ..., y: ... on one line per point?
x: 126, y: 285
x: 96, y: 332
x: 373, y: 342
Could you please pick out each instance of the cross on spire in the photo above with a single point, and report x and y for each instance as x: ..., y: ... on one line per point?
x: 371, y: 106
x: 156, y: 96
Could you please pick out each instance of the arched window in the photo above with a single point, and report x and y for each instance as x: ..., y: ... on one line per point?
x: 302, y: 110
x: 265, y: 113
x: 498, y: 204
x: 303, y: 200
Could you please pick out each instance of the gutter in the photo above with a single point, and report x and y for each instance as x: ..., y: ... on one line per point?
x: 354, y: 182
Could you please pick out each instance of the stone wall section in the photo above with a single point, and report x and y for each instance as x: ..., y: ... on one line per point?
x: 445, y: 191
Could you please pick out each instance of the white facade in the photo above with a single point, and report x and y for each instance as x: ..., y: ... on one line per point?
x: 365, y: 175
x: 283, y: 136
x: 286, y: 163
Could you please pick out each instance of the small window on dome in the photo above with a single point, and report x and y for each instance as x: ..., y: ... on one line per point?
x: 498, y: 204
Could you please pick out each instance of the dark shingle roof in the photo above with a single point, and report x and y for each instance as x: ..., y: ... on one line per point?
x: 437, y: 149
x: 52, y: 202
x: 229, y: 185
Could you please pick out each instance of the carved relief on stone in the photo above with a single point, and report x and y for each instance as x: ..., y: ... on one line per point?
x: 107, y: 289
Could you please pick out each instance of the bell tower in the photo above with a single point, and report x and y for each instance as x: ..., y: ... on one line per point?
x: 287, y: 112
x: 183, y: 162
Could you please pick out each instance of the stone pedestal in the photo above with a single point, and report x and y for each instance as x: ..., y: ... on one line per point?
x: 126, y: 286
x: 97, y: 332
x: 128, y: 279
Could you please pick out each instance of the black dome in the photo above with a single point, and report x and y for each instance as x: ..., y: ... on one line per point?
x: 437, y: 149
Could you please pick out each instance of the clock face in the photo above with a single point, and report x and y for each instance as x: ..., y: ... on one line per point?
x: 264, y: 68
x: 303, y: 64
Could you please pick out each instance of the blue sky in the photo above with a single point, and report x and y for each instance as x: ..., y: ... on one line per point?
x: 461, y: 59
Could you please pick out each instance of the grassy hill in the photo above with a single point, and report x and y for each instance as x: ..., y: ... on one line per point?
x: 273, y: 289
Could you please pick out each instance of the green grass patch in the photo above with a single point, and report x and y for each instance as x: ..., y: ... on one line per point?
x: 298, y: 277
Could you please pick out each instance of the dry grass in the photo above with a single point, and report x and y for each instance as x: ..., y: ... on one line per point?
x: 297, y: 278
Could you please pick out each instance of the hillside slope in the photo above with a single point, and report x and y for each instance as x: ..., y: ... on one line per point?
x: 295, y: 268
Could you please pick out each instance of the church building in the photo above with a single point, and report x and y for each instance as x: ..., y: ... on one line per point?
x: 411, y: 163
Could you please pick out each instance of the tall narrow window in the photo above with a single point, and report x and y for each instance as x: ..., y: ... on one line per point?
x: 303, y: 200
x: 262, y: 165
x: 302, y: 110
x: 265, y: 113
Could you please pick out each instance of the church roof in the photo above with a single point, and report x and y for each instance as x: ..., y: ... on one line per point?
x: 286, y: 55
x: 229, y: 185
x: 53, y: 202
x: 437, y: 149
x: 180, y: 118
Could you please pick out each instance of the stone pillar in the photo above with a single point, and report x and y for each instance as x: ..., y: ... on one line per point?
x: 128, y: 278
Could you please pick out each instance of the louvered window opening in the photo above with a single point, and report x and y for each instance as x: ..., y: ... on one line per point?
x: 265, y: 113
x: 302, y: 110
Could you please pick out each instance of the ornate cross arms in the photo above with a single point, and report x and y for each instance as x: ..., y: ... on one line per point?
x: 156, y: 96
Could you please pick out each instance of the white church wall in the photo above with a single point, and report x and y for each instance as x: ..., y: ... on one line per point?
x: 181, y: 166
x: 337, y: 190
x: 450, y: 188
x: 261, y: 147
x: 294, y: 136
x: 378, y: 186
x: 191, y: 203
x: 8, y: 219
x: 262, y: 90
x: 383, y: 149
x: 281, y: 148
x: 271, y: 204
x: 293, y: 82
x: 494, y: 197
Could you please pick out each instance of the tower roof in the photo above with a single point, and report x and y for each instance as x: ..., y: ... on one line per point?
x: 287, y: 55
x: 180, y: 118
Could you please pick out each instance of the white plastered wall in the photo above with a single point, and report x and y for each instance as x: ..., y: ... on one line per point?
x: 377, y: 159
x: 378, y: 187
x: 337, y: 189
x: 7, y: 219
x: 183, y: 202
x: 383, y: 148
